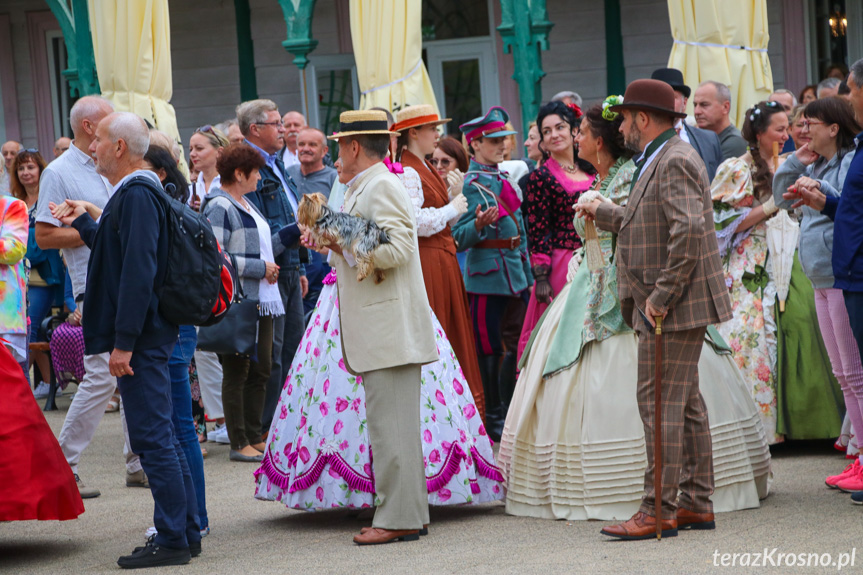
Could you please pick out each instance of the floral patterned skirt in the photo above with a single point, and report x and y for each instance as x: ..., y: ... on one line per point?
x: 318, y: 453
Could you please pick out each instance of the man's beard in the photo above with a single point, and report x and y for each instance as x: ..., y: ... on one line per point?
x: 632, y: 140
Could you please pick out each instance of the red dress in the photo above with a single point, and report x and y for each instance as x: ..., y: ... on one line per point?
x: 35, y: 480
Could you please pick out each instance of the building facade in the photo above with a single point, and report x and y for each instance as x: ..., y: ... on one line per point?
x: 224, y: 51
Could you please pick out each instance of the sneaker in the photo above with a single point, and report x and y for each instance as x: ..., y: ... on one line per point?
x: 849, y: 470
x: 137, y: 479
x: 219, y: 435
x: 153, y: 555
x: 84, y: 491
x: 852, y: 483
x: 857, y: 498
x: 41, y: 391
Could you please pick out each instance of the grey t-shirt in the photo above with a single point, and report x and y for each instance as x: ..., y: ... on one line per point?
x: 732, y: 143
x: 72, y: 176
x: 320, y: 181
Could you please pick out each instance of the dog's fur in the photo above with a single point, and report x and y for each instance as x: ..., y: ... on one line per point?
x: 352, y: 233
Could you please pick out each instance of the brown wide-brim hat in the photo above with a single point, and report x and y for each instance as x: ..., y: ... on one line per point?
x: 650, y: 95
x: 359, y: 122
x: 416, y: 116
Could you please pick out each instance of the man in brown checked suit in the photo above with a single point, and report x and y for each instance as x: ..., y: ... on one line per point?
x: 668, y: 266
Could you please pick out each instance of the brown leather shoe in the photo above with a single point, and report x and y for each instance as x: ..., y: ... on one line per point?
x: 376, y: 536
x: 424, y: 531
x: 641, y: 526
x: 687, y: 519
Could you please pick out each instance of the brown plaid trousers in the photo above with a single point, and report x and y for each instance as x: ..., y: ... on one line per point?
x: 687, y: 451
x: 667, y: 252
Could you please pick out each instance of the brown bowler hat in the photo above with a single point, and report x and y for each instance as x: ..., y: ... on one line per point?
x: 652, y: 95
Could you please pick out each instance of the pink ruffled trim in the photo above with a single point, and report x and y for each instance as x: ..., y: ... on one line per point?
x: 330, y: 279
x: 359, y: 482
x: 485, y: 468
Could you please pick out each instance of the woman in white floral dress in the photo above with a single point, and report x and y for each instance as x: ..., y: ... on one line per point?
x: 786, y: 366
x: 317, y: 454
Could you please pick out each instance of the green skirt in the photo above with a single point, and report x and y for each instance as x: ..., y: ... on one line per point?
x: 810, y: 404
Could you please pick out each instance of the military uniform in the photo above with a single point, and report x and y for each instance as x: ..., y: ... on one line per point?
x: 497, y: 270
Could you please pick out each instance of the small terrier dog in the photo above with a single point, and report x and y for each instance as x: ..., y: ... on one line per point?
x: 352, y: 233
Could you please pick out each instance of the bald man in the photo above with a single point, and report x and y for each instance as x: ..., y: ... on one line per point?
x: 129, y: 258
x: 311, y: 176
x: 9, y: 150
x: 73, y: 176
x: 292, y: 121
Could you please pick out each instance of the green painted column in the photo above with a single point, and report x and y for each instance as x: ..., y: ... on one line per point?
x: 75, y: 25
x: 524, y: 29
x: 245, y: 51
x: 614, y: 67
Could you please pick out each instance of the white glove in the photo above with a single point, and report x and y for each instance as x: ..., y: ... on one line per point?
x: 572, y: 267
x: 455, y: 183
x: 459, y: 204
x: 769, y: 207
x: 590, y: 195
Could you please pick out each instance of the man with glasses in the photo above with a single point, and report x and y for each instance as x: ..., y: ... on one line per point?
x: 277, y: 199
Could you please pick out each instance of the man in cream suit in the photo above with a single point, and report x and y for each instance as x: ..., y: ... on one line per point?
x: 387, y: 332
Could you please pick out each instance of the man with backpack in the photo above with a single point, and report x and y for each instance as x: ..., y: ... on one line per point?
x: 128, y: 265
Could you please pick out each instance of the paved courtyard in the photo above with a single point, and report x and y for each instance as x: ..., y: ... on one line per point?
x: 255, y: 537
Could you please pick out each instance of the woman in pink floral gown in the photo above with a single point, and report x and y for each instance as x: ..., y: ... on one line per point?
x: 318, y: 453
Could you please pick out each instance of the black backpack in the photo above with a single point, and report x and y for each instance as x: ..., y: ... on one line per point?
x: 194, y: 290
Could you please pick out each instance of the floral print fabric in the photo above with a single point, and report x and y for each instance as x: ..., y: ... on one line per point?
x: 318, y: 454
x: 548, y: 213
x: 751, y: 333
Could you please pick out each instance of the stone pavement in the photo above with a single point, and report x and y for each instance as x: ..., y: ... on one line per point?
x: 256, y: 537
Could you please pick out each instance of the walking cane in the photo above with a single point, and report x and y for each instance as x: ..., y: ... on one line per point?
x: 657, y: 432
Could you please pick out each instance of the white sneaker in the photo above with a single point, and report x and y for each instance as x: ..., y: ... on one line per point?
x: 41, y: 391
x: 219, y: 434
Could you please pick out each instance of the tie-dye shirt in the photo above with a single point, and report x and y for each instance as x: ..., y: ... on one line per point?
x: 13, y: 247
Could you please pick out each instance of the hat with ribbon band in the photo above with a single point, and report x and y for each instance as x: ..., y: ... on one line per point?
x: 359, y: 122
x: 416, y: 116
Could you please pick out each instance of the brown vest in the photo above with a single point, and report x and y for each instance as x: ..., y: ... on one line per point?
x: 435, y: 195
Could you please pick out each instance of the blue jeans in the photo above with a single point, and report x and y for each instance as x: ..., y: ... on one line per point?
x: 181, y: 416
x: 41, y: 299
x: 147, y: 398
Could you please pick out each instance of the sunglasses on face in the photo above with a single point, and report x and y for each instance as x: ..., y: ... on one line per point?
x: 444, y: 163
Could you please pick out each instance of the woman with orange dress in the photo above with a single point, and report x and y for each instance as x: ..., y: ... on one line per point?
x: 437, y: 205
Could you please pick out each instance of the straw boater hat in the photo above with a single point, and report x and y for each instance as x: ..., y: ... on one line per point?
x: 416, y: 116
x: 651, y: 95
x: 358, y: 122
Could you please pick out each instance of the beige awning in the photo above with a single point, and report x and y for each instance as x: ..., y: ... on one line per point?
x: 725, y: 41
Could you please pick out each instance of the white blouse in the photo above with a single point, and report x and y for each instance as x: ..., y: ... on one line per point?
x: 429, y: 220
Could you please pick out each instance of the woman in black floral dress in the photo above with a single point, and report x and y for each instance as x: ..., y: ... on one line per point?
x: 551, y: 192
